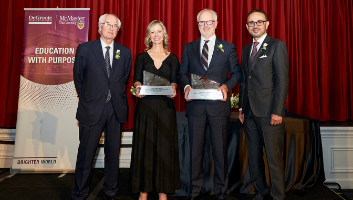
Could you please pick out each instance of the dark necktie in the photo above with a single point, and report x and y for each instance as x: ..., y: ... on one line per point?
x: 253, y: 53
x: 107, y: 65
x: 204, y: 56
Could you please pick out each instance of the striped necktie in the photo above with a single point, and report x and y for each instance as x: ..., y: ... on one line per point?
x: 204, y: 56
x: 107, y: 65
x: 253, y: 53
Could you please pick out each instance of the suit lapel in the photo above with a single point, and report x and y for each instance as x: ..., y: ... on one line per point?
x: 98, y: 52
x: 196, y: 46
x: 216, y: 52
x: 115, y: 61
x: 259, y: 53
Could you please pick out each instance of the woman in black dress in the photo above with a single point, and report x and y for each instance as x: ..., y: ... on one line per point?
x: 155, y: 157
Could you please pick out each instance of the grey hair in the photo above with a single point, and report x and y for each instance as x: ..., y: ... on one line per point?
x: 212, y: 11
x: 102, y: 18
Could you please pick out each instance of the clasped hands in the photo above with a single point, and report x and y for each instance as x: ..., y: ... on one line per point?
x: 223, y: 88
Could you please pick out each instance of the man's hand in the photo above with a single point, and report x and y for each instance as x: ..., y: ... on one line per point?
x: 241, y: 116
x: 224, y: 90
x: 275, y: 119
x: 187, y: 90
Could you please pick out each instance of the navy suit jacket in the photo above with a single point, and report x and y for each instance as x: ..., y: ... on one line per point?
x: 92, y: 83
x: 265, y: 82
x: 221, y: 64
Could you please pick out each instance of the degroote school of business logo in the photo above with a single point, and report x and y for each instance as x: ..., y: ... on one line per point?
x: 37, y: 19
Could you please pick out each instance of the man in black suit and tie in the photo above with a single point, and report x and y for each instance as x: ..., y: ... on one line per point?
x: 101, y: 71
x: 262, y: 103
x: 212, y: 58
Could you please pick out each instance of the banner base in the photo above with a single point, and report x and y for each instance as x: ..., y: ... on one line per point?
x: 41, y: 171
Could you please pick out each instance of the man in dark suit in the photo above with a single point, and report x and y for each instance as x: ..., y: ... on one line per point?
x: 262, y: 103
x: 101, y: 71
x: 212, y: 58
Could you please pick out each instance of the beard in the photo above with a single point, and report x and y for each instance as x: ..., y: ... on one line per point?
x: 259, y: 33
x: 209, y: 33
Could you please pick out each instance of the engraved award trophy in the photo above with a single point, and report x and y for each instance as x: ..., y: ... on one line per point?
x: 155, y: 85
x: 204, y: 89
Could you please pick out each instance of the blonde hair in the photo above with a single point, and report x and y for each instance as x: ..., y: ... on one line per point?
x: 148, y: 41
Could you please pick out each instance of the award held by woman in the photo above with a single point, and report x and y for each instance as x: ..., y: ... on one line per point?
x: 204, y: 89
x: 155, y: 85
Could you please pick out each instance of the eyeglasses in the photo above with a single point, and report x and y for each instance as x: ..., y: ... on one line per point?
x: 202, y: 23
x: 259, y: 23
x: 115, y: 26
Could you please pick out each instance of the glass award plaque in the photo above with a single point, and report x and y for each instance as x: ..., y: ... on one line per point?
x: 204, y: 89
x: 155, y: 85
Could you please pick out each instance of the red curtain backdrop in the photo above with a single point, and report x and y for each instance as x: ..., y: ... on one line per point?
x: 318, y: 34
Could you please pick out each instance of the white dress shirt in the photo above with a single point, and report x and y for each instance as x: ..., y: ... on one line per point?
x: 211, y: 43
x: 111, y: 53
x: 260, y: 41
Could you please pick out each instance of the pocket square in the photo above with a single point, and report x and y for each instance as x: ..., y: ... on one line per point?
x: 263, y: 56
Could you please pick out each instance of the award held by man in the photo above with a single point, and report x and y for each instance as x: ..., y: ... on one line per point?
x: 155, y: 85
x: 204, y: 89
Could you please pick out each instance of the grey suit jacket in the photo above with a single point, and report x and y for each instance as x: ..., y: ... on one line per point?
x: 265, y: 82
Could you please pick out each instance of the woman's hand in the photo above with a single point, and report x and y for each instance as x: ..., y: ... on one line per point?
x: 138, y: 89
x: 174, y: 91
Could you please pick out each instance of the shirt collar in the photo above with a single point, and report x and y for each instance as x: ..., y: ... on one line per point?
x: 211, y: 39
x: 105, y: 45
x: 261, y: 40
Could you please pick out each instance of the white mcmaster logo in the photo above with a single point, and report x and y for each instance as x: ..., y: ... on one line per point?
x: 71, y: 19
x: 40, y: 19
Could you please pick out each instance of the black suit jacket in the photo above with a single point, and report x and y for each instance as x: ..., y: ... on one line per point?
x: 92, y: 83
x: 265, y: 82
x: 221, y: 64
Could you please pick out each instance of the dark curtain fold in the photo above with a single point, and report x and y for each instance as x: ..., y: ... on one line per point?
x: 318, y: 35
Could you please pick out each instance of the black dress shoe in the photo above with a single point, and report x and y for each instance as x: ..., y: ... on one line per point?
x: 106, y: 197
x: 218, y: 198
x: 266, y: 197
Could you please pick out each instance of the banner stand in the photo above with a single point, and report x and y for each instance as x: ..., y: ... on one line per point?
x: 47, y: 131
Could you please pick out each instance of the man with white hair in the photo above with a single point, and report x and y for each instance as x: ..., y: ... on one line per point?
x: 212, y: 58
x: 101, y: 71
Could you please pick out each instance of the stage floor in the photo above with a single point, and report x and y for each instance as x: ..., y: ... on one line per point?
x: 59, y: 187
